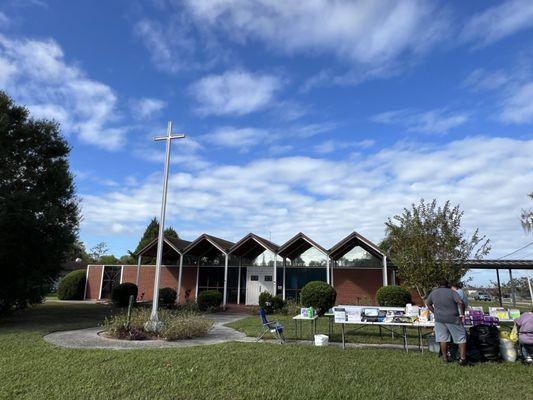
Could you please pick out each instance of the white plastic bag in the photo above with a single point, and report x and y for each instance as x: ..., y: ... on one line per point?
x: 508, y: 350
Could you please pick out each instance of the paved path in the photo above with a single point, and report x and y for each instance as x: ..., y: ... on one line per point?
x: 90, y: 339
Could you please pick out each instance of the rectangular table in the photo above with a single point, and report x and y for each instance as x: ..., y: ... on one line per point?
x: 298, y: 320
x: 390, y: 327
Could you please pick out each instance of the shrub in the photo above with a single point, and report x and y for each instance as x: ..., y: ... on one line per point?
x: 120, y: 295
x: 72, y: 286
x: 319, y: 295
x: 185, y: 326
x: 209, y: 300
x: 167, y: 297
x: 265, y: 302
x: 277, y: 303
x: 291, y: 307
x: 393, y: 296
x: 176, y: 325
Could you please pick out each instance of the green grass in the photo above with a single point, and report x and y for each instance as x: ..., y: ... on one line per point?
x: 495, y: 303
x: 353, y: 333
x: 33, y: 369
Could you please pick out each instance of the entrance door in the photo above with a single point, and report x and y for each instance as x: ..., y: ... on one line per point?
x: 110, y: 279
x: 258, y: 279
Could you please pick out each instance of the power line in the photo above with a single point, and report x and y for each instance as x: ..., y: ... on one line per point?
x: 516, y: 251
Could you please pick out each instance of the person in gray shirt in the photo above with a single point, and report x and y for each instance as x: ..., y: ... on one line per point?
x: 449, y: 310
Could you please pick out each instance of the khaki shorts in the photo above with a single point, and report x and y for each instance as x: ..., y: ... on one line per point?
x: 446, y: 332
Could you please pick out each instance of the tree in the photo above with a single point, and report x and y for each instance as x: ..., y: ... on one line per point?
x: 98, y: 251
x: 151, y: 232
x: 426, y: 244
x: 38, y: 208
x: 526, y: 218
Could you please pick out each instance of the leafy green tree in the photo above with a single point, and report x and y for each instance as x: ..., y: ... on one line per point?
x: 98, y: 251
x: 38, y: 208
x: 109, y: 259
x: 426, y: 244
x: 151, y: 232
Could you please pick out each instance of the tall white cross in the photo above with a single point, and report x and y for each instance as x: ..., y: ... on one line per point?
x: 154, y: 324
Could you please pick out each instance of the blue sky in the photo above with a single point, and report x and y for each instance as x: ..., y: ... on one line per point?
x: 322, y: 116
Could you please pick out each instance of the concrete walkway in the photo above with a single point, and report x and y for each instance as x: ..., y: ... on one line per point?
x: 90, y: 339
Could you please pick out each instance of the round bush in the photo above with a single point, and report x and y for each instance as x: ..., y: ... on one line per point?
x: 265, y: 302
x: 120, y: 295
x: 167, y: 297
x: 393, y: 296
x: 277, y: 303
x: 319, y: 295
x: 209, y: 300
x: 72, y: 286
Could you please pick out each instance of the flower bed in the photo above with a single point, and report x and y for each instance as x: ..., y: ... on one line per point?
x: 177, y: 325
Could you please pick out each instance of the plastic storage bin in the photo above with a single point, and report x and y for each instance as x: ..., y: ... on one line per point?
x: 321, y: 340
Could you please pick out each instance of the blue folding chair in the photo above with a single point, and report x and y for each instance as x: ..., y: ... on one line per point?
x: 270, y: 327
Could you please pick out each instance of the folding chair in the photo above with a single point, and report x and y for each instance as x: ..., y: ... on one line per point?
x: 272, y: 327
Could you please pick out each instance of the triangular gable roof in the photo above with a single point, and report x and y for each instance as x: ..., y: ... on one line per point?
x: 176, y: 244
x: 297, y: 245
x: 222, y: 245
x: 246, y: 245
x: 352, y: 240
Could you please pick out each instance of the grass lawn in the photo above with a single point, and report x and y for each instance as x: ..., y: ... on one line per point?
x: 495, y: 303
x: 33, y: 369
x: 353, y: 333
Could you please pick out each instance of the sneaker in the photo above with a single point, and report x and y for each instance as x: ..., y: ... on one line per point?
x: 529, y: 360
x: 463, y: 362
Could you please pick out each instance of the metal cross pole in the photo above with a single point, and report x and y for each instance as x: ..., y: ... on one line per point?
x: 154, y: 324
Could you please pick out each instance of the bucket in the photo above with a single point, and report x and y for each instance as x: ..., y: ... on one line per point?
x: 433, y: 346
x: 321, y: 340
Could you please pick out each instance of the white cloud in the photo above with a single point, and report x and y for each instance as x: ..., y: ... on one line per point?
x: 329, y: 198
x: 359, y: 31
x: 236, y: 92
x: 240, y: 138
x: 330, y: 146
x: 513, y: 92
x: 498, y: 22
x: 518, y: 106
x: 39, y: 77
x: 4, y: 20
x: 147, y: 107
x: 437, y: 121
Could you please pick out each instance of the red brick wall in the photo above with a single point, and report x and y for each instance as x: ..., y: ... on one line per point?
x: 188, y: 283
x: 357, y: 286
x: 93, y: 282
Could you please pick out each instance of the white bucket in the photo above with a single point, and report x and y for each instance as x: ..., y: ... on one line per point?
x: 321, y: 340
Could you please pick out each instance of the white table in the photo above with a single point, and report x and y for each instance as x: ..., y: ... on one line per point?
x: 390, y: 327
x: 298, y: 321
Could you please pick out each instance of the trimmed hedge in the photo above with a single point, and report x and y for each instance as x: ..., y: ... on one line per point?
x: 120, y: 296
x: 167, y: 297
x: 72, y: 286
x: 209, y: 300
x: 319, y: 295
x: 393, y: 296
x: 271, y: 304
